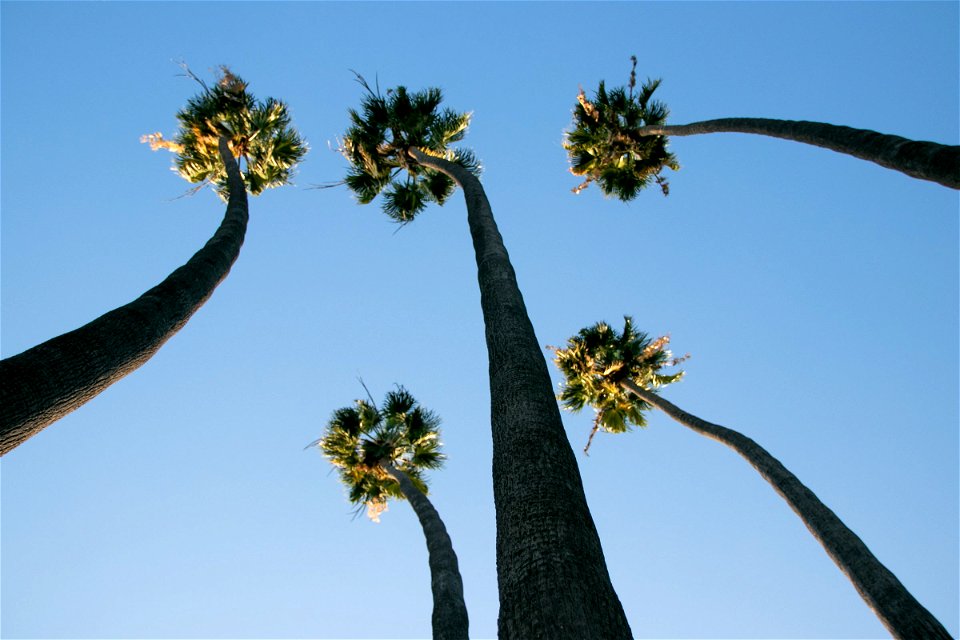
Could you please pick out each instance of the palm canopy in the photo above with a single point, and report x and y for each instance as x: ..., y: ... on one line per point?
x: 603, y: 144
x: 259, y: 134
x: 358, y: 440
x: 598, y: 359
x: 377, y: 146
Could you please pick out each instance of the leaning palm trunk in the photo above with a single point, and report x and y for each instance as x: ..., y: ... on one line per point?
x: 918, y: 159
x: 449, y: 611
x: 899, y: 611
x: 48, y: 381
x: 553, y: 580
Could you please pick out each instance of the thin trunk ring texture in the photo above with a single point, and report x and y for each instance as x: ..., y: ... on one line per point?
x: 901, y: 613
x: 48, y: 381
x: 450, y: 620
x: 553, y: 579
x: 918, y: 159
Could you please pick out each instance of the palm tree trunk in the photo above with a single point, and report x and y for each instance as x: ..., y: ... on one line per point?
x: 918, y: 159
x: 899, y: 611
x: 552, y: 576
x: 48, y: 381
x: 449, y: 611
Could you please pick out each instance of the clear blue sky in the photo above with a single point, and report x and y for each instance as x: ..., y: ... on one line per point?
x: 817, y: 294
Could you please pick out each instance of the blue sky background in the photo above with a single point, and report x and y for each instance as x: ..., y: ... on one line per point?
x: 817, y: 294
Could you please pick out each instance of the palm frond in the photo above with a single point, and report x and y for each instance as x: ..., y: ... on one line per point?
x: 437, y: 186
x: 398, y: 402
x: 467, y: 159
x: 402, y: 201
x: 365, y: 186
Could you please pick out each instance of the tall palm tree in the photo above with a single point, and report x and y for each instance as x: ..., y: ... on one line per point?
x: 553, y: 580
x: 381, y: 453
x: 619, y: 373
x: 619, y: 140
x: 220, y: 125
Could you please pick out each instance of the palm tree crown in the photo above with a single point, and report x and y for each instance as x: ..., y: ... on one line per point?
x: 603, y: 144
x: 598, y: 359
x: 358, y: 440
x: 258, y: 132
x: 378, y: 141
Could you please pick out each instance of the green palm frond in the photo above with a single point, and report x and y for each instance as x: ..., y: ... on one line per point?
x: 348, y: 419
x: 421, y: 425
x: 438, y: 186
x: 603, y: 145
x: 377, y: 144
x: 260, y: 136
x: 468, y: 160
x: 598, y: 359
x: 448, y: 127
x: 397, y: 404
x: 425, y: 457
x: 358, y: 439
x: 366, y: 186
x: 402, y: 201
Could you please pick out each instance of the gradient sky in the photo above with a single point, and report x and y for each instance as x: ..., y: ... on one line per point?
x: 817, y: 294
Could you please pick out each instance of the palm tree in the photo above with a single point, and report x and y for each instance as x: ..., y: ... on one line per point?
x: 223, y: 123
x: 553, y: 580
x: 619, y: 140
x: 381, y: 453
x: 619, y: 374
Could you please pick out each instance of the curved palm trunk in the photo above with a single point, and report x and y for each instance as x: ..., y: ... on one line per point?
x: 899, y: 611
x: 449, y: 611
x: 918, y: 159
x: 48, y: 381
x: 553, y: 580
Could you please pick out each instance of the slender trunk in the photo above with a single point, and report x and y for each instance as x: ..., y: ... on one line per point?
x: 449, y: 611
x: 918, y: 159
x: 48, y: 381
x: 552, y: 576
x: 899, y: 611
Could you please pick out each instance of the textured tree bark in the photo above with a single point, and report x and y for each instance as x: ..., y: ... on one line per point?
x: 918, y: 159
x: 899, y: 611
x: 552, y: 576
x: 449, y: 611
x: 48, y: 381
